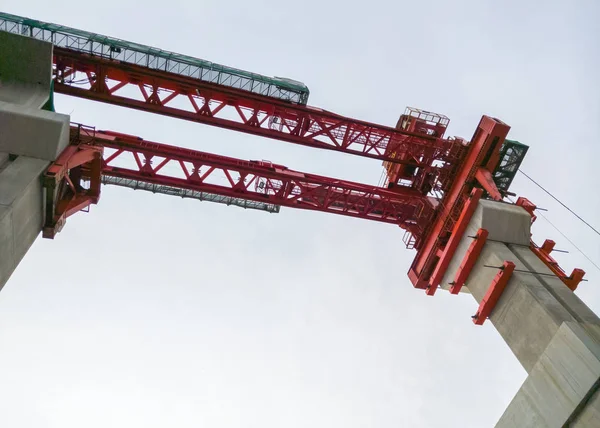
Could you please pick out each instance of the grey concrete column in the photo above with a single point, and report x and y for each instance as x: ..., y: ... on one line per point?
x: 553, y: 334
x: 21, y: 213
x: 30, y: 138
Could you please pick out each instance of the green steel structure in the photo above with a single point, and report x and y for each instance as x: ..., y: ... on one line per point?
x: 157, y: 59
x: 512, y: 154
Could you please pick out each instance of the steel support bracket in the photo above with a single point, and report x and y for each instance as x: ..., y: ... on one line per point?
x: 488, y: 303
x: 529, y: 206
x: 543, y: 253
x: 469, y: 261
x: 457, y: 233
x: 62, y: 182
x: 485, y: 178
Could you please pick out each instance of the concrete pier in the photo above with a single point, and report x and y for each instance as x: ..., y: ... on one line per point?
x: 553, y: 334
x: 30, y: 138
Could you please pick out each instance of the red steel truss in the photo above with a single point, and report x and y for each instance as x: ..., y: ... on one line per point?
x: 447, y: 169
x: 130, y: 157
x: 429, y: 178
x: 432, y: 160
x: 428, y: 165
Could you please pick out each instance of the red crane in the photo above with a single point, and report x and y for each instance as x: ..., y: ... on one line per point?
x: 432, y: 182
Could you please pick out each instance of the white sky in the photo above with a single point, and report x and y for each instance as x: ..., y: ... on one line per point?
x: 153, y: 311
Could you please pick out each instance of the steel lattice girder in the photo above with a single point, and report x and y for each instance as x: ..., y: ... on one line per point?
x: 130, y: 157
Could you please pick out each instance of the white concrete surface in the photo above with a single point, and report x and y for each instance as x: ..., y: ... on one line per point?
x: 563, y: 379
x: 32, y: 132
x: 553, y: 334
x: 21, y: 213
x: 25, y: 70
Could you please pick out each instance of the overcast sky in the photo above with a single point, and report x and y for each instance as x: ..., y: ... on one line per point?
x: 152, y: 311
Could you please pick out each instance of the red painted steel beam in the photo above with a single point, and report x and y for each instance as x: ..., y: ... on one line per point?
x: 543, y: 253
x: 169, y: 94
x: 457, y: 233
x: 131, y: 157
x: 482, y: 152
x: 489, y: 301
x: 469, y: 261
x: 486, y: 180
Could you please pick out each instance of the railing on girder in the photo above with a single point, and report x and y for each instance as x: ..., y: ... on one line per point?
x: 154, y: 58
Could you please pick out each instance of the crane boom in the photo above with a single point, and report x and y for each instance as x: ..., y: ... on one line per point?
x: 130, y: 161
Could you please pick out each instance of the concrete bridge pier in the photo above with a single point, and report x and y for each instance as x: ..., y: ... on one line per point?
x: 31, y: 136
